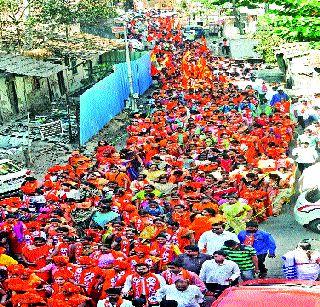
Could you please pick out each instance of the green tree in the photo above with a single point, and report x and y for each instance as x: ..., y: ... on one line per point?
x: 64, y: 13
x: 13, y: 16
x: 91, y: 11
x: 293, y: 21
x: 59, y: 13
x: 298, y: 20
x: 268, y: 40
x: 235, y: 3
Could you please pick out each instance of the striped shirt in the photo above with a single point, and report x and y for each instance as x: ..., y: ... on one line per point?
x: 242, y: 256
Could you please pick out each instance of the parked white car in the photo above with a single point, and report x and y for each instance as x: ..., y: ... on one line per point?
x: 307, y: 209
x: 11, y: 177
x: 136, y: 44
x: 309, y: 178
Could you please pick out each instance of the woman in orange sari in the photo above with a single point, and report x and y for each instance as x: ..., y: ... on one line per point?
x: 202, y: 222
x: 36, y: 256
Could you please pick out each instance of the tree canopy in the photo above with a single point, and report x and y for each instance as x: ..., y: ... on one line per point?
x: 23, y: 17
x: 294, y: 20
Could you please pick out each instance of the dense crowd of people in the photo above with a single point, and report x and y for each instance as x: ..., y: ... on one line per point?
x: 174, y: 215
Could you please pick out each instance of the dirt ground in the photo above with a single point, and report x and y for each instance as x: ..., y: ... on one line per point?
x: 42, y: 153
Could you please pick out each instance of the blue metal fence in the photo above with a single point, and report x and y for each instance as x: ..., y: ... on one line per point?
x: 106, y: 99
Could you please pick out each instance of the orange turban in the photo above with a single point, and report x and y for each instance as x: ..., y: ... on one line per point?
x: 142, y: 249
x: 54, y: 302
x: 11, y: 202
x: 17, y: 284
x: 33, y: 224
x: 65, y: 274
x: 16, y: 269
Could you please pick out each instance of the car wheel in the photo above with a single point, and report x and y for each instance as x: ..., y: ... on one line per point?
x: 315, y: 225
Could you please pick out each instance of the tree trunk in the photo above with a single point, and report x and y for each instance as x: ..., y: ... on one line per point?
x: 18, y: 36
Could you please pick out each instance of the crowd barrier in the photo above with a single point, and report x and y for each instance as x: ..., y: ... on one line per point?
x: 106, y: 99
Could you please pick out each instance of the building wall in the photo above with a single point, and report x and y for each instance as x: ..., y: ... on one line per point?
x: 302, y: 74
x: 74, y: 78
x: 82, y: 72
x: 33, y: 93
x: 23, y: 89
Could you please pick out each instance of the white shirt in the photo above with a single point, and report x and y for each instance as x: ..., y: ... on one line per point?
x: 270, y: 94
x: 191, y: 297
x: 307, y: 138
x: 213, y: 242
x: 307, y: 269
x: 212, y: 272
x: 305, y: 155
x: 268, y: 163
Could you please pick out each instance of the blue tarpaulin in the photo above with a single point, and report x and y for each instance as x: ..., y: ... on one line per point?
x: 106, y: 99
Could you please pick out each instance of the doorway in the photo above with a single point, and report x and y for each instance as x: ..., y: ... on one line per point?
x: 12, y: 93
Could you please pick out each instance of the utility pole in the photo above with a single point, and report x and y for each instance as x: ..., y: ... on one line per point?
x: 68, y: 110
x: 128, y: 61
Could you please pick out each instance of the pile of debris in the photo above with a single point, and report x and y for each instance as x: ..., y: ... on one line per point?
x: 40, y: 141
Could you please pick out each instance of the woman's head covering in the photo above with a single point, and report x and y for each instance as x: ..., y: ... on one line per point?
x: 62, y: 260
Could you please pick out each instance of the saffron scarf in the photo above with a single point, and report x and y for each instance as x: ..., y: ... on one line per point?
x: 145, y: 285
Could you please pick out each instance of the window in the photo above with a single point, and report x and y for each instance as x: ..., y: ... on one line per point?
x: 62, y: 86
x: 89, y: 68
x: 313, y: 196
x: 74, y: 67
x: 66, y: 61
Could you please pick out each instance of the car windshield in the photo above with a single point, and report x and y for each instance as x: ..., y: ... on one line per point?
x: 8, y: 168
x: 313, y: 196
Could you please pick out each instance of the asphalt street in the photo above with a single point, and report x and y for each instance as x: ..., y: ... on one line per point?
x: 287, y: 233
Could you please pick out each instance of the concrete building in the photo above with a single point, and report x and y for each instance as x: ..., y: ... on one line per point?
x: 27, y: 84
x: 301, y: 66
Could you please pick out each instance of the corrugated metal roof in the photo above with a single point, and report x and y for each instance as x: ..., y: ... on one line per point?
x: 22, y: 65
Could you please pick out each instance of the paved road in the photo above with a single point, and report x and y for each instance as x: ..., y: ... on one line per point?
x: 240, y: 48
x: 287, y: 233
x: 244, y: 48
